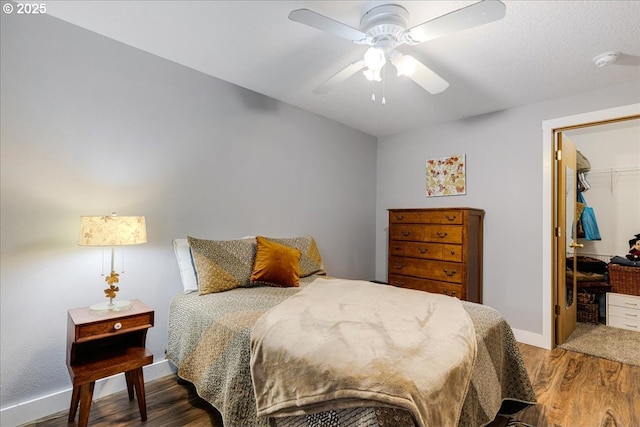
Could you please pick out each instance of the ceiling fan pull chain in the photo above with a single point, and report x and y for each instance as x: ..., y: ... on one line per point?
x: 384, y: 78
x: 373, y: 91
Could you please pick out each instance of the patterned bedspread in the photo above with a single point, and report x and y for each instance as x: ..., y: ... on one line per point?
x: 209, y: 343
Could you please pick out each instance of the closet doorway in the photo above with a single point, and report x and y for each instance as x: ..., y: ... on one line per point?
x: 609, y: 141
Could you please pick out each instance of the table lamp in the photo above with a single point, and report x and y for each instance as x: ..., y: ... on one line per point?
x: 112, y: 230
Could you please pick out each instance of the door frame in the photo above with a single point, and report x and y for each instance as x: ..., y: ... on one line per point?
x: 549, y: 129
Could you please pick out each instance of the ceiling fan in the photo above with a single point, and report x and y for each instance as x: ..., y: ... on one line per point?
x: 384, y: 28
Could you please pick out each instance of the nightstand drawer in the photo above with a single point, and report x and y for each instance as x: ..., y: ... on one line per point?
x: 113, y: 326
x: 85, y: 325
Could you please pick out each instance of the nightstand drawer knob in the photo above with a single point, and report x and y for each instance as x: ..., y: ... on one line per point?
x: 117, y: 326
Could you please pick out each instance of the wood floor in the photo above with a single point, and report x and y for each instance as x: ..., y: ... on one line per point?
x: 573, y: 389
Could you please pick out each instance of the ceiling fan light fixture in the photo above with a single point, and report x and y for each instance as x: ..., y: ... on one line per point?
x: 405, y: 64
x: 374, y: 58
x: 372, y: 75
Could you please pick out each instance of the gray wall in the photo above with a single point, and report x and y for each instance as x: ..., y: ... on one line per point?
x: 91, y: 126
x: 504, y: 177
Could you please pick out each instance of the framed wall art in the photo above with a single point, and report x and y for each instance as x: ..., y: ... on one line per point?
x: 446, y: 176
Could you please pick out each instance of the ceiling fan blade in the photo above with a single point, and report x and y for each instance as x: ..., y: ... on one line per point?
x: 475, y: 15
x: 339, y: 77
x: 321, y: 22
x: 426, y: 77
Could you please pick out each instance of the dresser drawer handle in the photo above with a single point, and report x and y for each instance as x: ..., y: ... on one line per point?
x: 423, y: 250
x: 446, y: 271
x: 398, y: 266
x: 397, y: 248
x: 117, y: 326
x: 451, y: 218
x: 399, y: 217
x: 633, y: 304
x: 441, y: 235
x: 631, y: 326
x: 453, y: 252
x: 451, y: 294
x: 398, y: 283
x: 406, y: 233
x: 631, y: 315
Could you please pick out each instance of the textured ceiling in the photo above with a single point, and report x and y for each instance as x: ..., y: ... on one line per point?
x: 540, y: 50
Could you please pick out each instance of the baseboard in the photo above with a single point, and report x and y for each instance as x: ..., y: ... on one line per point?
x: 530, y: 338
x: 56, y: 402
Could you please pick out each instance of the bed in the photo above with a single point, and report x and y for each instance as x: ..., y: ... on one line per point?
x: 210, y: 343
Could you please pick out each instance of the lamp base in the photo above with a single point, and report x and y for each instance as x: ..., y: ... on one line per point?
x: 119, y: 305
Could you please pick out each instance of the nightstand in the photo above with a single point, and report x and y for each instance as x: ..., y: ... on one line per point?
x: 101, y: 344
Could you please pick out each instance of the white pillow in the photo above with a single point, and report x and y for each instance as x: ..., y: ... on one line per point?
x: 185, y: 263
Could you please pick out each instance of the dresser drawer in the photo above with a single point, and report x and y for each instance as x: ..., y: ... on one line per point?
x: 452, y: 253
x: 417, y: 250
x: 428, y: 269
x: 443, y: 233
x: 619, y: 322
x: 427, y: 233
x: 623, y: 300
x: 623, y: 312
x: 407, y: 232
x: 427, y: 217
x: 426, y: 285
x: 100, y: 328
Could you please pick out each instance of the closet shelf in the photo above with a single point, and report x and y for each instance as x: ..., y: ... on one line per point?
x: 617, y: 169
x: 614, y: 172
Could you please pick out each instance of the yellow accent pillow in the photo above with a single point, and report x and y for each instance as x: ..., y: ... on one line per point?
x: 276, y: 264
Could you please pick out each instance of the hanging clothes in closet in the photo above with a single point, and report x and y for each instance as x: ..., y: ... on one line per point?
x: 582, y: 166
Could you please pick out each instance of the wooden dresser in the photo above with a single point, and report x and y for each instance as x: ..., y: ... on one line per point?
x: 437, y: 250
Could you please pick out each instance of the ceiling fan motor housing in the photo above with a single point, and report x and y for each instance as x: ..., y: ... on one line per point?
x: 386, y: 25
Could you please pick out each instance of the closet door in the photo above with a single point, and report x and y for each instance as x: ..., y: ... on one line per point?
x: 566, y: 233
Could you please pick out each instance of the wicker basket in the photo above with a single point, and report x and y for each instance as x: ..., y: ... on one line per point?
x: 588, y: 313
x: 586, y: 298
x: 624, y: 279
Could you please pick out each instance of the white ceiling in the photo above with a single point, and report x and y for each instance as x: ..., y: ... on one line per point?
x: 540, y: 50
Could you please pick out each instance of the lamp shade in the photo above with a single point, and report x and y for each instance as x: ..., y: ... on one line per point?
x: 112, y: 230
